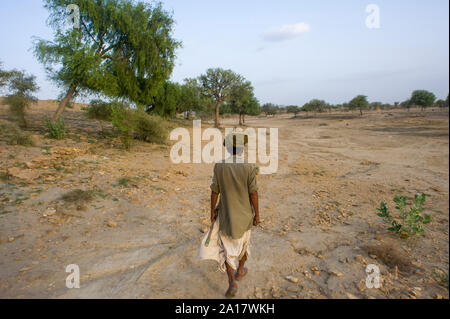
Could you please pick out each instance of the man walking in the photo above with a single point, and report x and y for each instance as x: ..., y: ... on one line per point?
x: 237, y: 211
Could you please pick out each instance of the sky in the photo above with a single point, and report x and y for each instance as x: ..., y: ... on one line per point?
x: 291, y: 50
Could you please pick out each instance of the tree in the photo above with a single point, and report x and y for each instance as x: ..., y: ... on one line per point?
x: 21, y: 87
x: 166, y: 101
x: 315, y: 106
x: 422, y: 98
x: 359, y: 102
x: 293, y: 109
x: 406, y: 104
x: 4, y: 76
x: 243, y: 101
x: 190, y: 98
x: 122, y: 49
x: 218, y: 84
x: 269, y: 109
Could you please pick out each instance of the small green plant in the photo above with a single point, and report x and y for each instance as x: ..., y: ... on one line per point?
x: 409, y: 221
x: 21, y: 139
x: 57, y: 129
x: 123, y: 182
x: 125, y: 120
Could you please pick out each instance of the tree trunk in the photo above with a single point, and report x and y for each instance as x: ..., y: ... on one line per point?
x: 243, y: 118
x: 360, y: 111
x: 240, y: 119
x: 216, y: 121
x: 63, y: 103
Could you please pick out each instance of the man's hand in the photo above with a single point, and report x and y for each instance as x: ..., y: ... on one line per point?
x: 254, y: 202
x: 213, y: 216
x: 214, y: 197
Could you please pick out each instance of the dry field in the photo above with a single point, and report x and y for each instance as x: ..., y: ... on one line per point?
x: 137, y: 232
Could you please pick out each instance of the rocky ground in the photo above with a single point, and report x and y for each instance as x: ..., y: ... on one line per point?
x: 135, y: 226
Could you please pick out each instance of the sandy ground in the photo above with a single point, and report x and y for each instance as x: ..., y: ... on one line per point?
x: 140, y: 240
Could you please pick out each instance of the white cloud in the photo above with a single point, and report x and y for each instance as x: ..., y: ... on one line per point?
x: 286, y: 32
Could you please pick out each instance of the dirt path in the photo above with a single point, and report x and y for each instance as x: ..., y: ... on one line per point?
x: 139, y: 239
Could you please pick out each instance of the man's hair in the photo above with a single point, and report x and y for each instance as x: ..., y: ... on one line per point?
x: 235, y: 150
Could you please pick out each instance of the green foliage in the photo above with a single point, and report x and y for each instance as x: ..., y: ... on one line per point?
x: 409, y: 222
x: 243, y: 101
x: 100, y: 110
x: 218, y: 84
x: 165, y: 102
x: 315, y: 105
x: 191, y: 99
x: 123, y: 48
x: 359, y: 102
x: 4, y: 76
x: 270, y: 109
x: 422, y: 98
x: 150, y: 128
x: 57, y: 129
x: 138, y: 124
x: 21, y: 88
x: 294, y: 109
x: 125, y: 120
x: 13, y: 135
x: 441, y: 103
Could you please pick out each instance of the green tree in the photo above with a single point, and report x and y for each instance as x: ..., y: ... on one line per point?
x: 422, y: 98
x: 358, y: 102
x: 315, y: 106
x: 190, y: 97
x: 4, y: 76
x: 294, y: 109
x: 21, y: 88
x: 406, y: 104
x: 166, y: 101
x: 270, y: 109
x: 243, y: 101
x: 218, y: 84
x: 122, y: 49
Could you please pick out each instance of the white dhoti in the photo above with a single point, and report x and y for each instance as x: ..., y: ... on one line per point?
x: 223, y: 248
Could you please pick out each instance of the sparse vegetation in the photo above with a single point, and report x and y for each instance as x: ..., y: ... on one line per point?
x: 20, y: 87
x: 57, y: 129
x: 78, y: 196
x: 13, y: 135
x: 408, y: 222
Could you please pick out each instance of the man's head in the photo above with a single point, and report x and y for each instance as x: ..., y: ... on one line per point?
x: 235, y: 143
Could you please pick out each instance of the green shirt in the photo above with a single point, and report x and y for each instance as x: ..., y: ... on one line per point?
x: 235, y: 182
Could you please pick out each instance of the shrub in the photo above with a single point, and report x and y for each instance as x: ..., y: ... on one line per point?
x: 14, y: 136
x: 100, y: 110
x: 56, y: 129
x: 125, y: 120
x: 138, y: 124
x: 77, y: 195
x: 409, y: 222
x: 21, y: 87
x: 150, y: 128
x: 21, y: 139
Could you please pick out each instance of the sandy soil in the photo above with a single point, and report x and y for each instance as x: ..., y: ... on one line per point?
x: 140, y: 239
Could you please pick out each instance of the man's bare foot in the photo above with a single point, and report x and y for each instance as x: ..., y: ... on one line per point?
x: 232, y: 290
x: 241, y: 273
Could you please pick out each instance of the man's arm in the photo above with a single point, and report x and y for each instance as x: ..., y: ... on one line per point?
x: 254, y: 201
x: 214, y: 197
